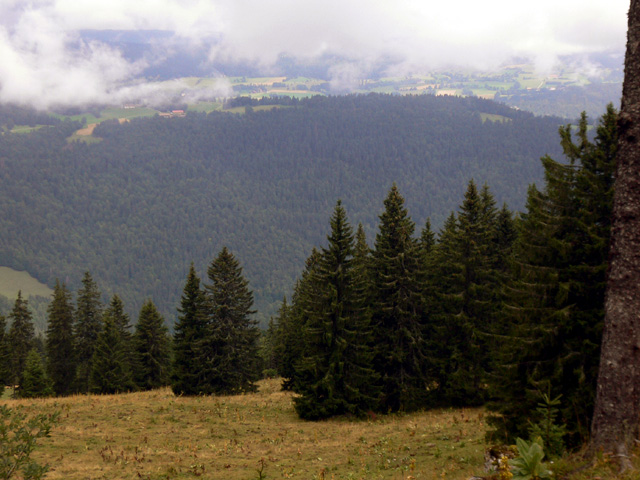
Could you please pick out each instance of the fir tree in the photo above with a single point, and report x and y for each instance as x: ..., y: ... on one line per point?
x: 109, y: 365
x: 152, y: 348
x: 337, y: 363
x: 115, y: 311
x: 5, y: 355
x: 292, y: 323
x: 188, y: 333
x: 555, y: 303
x: 398, y: 309
x: 35, y: 382
x: 21, y: 337
x: 228, y: 351
x: 61, y: 364
x: 467, y: 300
x: 87, y: 327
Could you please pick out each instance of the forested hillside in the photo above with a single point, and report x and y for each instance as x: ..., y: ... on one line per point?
x: 136, y: 208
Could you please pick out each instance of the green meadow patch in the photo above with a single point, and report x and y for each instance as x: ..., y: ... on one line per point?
x: 12, y: 281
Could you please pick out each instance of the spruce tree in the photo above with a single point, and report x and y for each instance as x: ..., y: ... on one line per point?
x: 61, y: 363
x: 87, y: 327
x: 228, y: 351
x: 109, y: 365
x: 292, y: 323
x: 115, y: 311
x: 555, y: 302
x: 337, y: 361
x: 188, y: 333
x: 21, y: 337
x: 468, y: 300
x: 35, y: 382
x: 5, y: 354
x: 399, y: 318
x: 152, y: 349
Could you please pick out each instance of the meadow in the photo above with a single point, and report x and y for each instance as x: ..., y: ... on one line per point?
x: 156, y: 435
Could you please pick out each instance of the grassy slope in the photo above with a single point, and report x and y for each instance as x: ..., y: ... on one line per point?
x: 157, y: 435
x: 11, y: 281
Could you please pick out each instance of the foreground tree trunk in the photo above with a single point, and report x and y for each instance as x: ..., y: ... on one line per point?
x: 617, y: 409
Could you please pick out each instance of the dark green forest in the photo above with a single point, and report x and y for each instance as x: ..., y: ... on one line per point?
x: 495, y: 308
x: 155, y: 194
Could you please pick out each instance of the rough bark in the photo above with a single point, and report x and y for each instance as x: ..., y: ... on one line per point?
x: 617, y: 409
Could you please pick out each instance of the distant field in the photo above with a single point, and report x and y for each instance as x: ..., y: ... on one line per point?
x: 155, y: 435
x: 26, y: 128
x: 11, y: 281
x: 494, y: 118
x: 111, y: 113
x: 256, y: 108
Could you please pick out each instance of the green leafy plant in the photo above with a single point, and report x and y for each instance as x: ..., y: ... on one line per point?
x: 18, y: 437
x: 529, y: 465
x: 546, y: 427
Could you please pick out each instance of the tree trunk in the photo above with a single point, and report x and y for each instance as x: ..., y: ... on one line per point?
x: 617, y: 409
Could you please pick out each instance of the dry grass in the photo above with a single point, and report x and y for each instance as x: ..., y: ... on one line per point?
x: 155, y: 435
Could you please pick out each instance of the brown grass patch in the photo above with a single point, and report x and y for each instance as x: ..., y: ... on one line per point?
x: 156, y: 435
x: 88, y: 130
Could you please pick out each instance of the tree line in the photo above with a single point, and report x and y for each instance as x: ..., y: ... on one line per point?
x: 494, y: 309
x: 263, y: 182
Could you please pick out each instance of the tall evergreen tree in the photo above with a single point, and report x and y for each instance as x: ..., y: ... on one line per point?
x: 188, y: 333
x: 110, y: 371
x: 21, y: 337
x: 5, y: 354
x: 228, y: 351
x: 337, y: 363
x: 35, y: 382
x: 115, y: 311
x: 398, y: 309
x: 292, y: 323
x: 87, y: 327
x: 61, y: 363
x: 556, y: 300
x: 152, y: 348
x: 468, y: 300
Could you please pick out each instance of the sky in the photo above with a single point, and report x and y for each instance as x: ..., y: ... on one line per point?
x: 44, y: 63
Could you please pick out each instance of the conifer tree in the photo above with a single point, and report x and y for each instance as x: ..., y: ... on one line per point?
x: 468, y: 300
x: 188, y: 333
x: 292, y: 323
x: 21, y: 337
x: 61, y: 364
x: 152, y: 348
x: 35, y: 382
x: 87, y: 327
x: 337, y: 361
x: 228, y: 351
x: 271, y: 345
x: 115, y: 310
x: 5, y: 355
x: 399, y: 318
x: 109, y: 365
x: 556, y: 300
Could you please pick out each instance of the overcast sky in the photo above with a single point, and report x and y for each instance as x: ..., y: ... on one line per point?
x: 41, y: 65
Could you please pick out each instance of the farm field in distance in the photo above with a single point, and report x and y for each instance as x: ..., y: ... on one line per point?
x: 501, y: 84
x: 156, y: 435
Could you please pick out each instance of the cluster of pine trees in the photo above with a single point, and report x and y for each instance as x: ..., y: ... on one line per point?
x: 88, y: 347
x: 495, y: 309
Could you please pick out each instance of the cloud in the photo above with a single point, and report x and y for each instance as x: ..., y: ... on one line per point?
x: 45, y: 63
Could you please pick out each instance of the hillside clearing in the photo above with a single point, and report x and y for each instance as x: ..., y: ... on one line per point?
x: 12, y: 281
x: 156, y: 435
